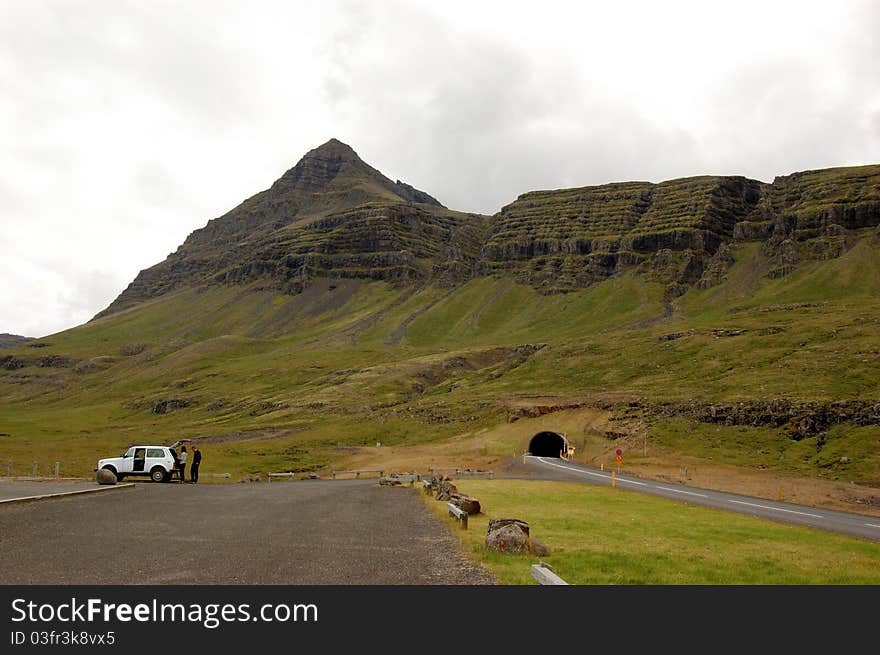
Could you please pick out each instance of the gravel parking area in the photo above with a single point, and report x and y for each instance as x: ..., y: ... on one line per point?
x: 347, y: 532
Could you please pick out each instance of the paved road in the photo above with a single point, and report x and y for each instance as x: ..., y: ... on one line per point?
x: 26, y: 488
x: 857, y: 525
x: 347, y: 532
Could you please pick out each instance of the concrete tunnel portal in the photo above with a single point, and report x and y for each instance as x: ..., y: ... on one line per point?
x: 548, y: 444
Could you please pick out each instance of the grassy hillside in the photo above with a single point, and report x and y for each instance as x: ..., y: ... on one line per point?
x: 278, y: 382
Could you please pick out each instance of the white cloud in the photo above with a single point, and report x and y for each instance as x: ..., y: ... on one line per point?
x: 126, y: 125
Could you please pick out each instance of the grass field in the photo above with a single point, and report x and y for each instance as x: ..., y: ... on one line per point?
x: 602, y: 536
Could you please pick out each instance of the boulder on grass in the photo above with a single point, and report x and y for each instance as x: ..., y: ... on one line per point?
x: 512, y: 536
x: 496, y: 524
x: 509, y: 538
x: 465, y: 503
x: 105, y: 476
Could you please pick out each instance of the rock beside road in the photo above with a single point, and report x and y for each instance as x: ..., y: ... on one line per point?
x: 513, y: 536
x: 103, y: 476
x: 465, y: 503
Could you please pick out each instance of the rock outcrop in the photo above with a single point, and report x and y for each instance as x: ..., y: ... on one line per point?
x: 678, y: 232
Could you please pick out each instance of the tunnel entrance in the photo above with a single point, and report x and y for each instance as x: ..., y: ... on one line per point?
x: 548, y: 444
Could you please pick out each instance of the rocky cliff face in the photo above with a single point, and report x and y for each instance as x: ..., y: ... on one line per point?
x: 679, y: 232
x: 813, y: 215
x: 562, y: 240
x: 332, y: 215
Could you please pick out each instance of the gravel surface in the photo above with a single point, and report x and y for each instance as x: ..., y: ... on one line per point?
x: 347, y: 532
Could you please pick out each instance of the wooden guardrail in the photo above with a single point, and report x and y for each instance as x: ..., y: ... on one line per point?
x: 35, y: 468
x: 288, y: 475
x: 544, y: 574
x: 462, y: 473
x: 459, y: 514
x: 400, y: 478
x: 357, y: 472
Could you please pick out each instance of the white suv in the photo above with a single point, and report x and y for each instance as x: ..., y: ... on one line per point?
x: 159, y: 462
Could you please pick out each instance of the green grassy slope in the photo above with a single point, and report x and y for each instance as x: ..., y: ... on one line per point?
x: 279, y: 382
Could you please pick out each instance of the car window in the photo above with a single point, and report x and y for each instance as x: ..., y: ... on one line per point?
x: 173, y: 453
x: 139, y: 453
x: 155, y: 452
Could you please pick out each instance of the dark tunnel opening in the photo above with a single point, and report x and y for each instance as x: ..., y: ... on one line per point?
x: 547, y: 444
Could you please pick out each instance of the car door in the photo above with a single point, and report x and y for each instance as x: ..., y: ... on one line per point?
x: 155, y: 456
x: 140, y: 460
x: 127, y: 462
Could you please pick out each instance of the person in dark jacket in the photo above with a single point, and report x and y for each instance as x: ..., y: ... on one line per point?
x: 194, y: 467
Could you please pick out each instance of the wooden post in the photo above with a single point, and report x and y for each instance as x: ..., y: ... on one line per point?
x: 34, y: 470
x: 57, y: 469
x: 779, y: 493
x: 9, y: 469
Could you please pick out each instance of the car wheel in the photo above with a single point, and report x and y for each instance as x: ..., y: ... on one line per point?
x: 158, y: 474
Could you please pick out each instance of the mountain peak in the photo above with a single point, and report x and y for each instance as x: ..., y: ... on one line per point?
x: 334, y: 149
x: 320, y: 166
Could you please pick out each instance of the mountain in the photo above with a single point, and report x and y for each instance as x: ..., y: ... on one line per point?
x: 331, y: 215
x: 11, y: 340
x: 334, y: 216
x: 719, y: 321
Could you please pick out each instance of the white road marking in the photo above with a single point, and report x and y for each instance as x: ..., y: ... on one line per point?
x: 598, y: 475
x: 681, y: 491
x: 776, y: 509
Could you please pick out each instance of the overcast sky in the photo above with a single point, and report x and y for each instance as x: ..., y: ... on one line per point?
x: 124, y: 126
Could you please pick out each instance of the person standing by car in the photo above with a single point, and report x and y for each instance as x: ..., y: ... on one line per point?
x: 181, y: 464
x: 194, y: 467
